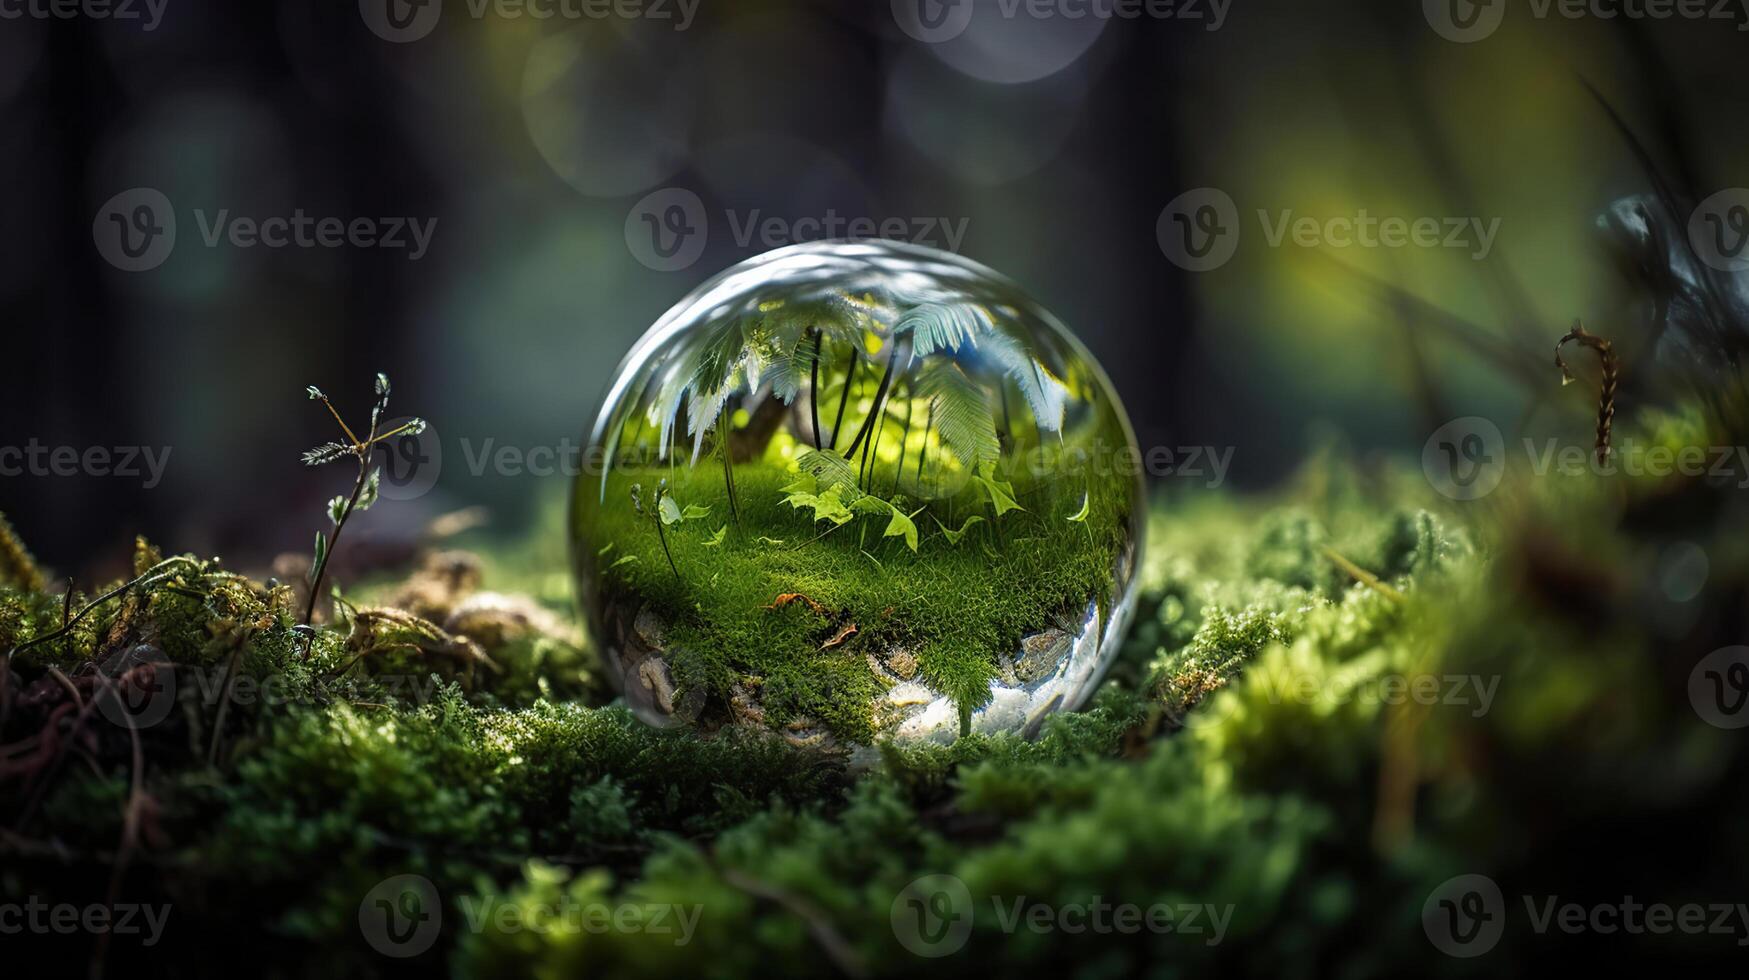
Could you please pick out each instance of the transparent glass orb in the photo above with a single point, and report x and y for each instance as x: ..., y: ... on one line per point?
x: 848, y: 491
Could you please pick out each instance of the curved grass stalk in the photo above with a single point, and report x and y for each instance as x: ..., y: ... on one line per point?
x: 1611, y: 379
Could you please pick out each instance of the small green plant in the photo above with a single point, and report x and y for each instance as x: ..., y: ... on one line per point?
x: 364, y: 488
x: 663, y: 511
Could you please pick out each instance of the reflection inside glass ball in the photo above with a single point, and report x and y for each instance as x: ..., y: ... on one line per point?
x: 853, y: 491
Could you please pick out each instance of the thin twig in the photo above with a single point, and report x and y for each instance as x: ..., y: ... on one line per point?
x: 67, y: 627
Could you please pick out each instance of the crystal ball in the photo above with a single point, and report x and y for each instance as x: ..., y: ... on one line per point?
x: 846, y: 492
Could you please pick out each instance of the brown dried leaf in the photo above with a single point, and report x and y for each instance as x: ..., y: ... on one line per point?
x: 839, y: 637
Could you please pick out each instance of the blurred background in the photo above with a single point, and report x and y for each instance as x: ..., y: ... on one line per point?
x: 577, y: 166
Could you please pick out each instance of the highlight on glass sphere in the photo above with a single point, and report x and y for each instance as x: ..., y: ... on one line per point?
x: 853, y: 491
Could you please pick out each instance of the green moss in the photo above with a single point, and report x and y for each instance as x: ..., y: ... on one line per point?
x: 1298, y: 798
x: 956, y: 607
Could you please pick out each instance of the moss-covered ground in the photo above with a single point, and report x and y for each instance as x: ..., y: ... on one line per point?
x: 954, y: 604
x: 1258, y: 752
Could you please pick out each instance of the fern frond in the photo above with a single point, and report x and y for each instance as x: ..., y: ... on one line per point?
x: 960, y: 412
x: 942, y: 327
x: 789, y: 358
x: 1045, y: 394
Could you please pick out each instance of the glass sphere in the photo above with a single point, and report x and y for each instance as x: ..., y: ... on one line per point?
x: 850, y: 491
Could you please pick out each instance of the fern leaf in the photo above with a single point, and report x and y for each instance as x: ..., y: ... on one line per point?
x: 1045, y: 394
x: 942, y: 327
x: 787, y: 343
x: 961, y: 413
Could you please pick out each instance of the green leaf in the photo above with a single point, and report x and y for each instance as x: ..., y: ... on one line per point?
x: 774, y: 542
x: 1001, y: 493
x: 694, y: 512
x: 623, y: 560
x: 717, y: 538
x: 804, y: 483
x: 337, y: 510
x: 315, y: 392
x: 942, y: 326
x: 724, y: 352
x: 1044, y: 393
x: 830, y: 470
x: 828, y: 506
x: 321, y: 555
x: 328, y: 452
x: 961, y: 413
x: 669, y: 511
x: 902, y: 526
x: 784, y: 343
x: 871, y: 505
x: 1080, y: 516
x: 373, y: 486
x: 954, y: 537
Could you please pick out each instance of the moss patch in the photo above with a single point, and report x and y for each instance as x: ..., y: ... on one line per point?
x: 954, y: 606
